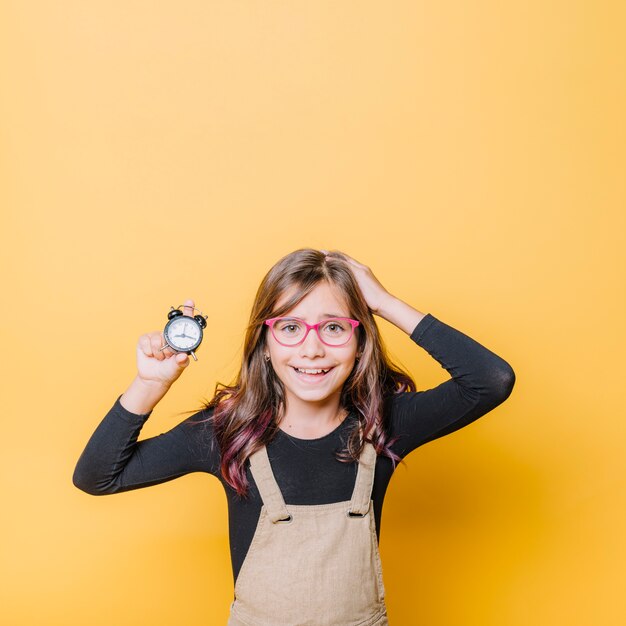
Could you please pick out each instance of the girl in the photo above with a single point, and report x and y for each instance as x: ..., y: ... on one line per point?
x: 306, y: 439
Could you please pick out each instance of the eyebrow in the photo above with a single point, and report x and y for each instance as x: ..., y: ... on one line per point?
x: 323, y: 315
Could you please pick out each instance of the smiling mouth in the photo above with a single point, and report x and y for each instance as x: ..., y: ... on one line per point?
x: 312, y: 373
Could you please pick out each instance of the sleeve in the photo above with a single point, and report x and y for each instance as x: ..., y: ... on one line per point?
x: 114, y: 461
x: 481, y: 380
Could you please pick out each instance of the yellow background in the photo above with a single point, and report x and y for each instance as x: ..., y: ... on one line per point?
x: 471, y: 153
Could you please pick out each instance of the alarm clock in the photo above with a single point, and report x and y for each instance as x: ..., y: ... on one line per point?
x: 183, y: 333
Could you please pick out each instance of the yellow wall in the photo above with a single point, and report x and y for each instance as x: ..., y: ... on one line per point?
x: 471, y: 153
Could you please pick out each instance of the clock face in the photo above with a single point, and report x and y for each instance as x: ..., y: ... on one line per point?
x: 183, y: 333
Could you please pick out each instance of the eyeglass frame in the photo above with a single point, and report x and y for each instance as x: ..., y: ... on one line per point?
x: 272, y: 320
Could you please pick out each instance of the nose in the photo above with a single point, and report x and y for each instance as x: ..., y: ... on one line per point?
x: 312, y: 346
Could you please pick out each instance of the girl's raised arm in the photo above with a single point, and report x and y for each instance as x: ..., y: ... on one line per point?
x: 481, y: 380
x: 115, y: 461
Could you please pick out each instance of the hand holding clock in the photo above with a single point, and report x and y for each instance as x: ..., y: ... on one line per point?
x: 156, y: 366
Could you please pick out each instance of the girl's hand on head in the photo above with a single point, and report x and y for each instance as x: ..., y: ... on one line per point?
x: 161, y: 367
x: 373, y: 292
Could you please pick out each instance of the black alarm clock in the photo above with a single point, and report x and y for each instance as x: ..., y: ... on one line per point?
x: 183, y: 333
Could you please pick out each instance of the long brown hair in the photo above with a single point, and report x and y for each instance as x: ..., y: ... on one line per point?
x: 245, y: 414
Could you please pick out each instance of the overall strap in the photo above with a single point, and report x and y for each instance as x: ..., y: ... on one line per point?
x: 268, y: 487
x: 362, y: 494
x: 273, y: 498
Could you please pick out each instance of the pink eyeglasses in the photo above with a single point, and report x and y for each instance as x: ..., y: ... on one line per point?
x: 292, y: 331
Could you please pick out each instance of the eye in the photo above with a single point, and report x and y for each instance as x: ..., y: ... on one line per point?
x: 334, y: 327
x: 288, y: 327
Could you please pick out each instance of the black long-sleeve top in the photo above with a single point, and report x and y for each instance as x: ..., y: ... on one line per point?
x: 306, y: 470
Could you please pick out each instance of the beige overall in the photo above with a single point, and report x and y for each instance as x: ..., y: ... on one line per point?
x: 312, y: 565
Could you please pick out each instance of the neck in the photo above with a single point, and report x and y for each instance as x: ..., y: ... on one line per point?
x: 310, y: 420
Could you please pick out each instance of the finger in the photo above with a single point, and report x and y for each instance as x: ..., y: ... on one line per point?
x: 188, y: 307
x: 165, y: 350
x: 156, y: 343
x: 343, y: 256
x: 349, y: 259
x: 339, y: 253
x: 145, y: 345
x: 182, y: 359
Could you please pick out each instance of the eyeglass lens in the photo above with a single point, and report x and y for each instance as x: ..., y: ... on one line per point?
x: 333, y: 331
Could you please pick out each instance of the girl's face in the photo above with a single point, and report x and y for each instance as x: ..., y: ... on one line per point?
x: 321, y: 303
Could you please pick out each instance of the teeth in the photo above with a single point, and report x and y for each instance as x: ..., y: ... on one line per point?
x: 311, y: 371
